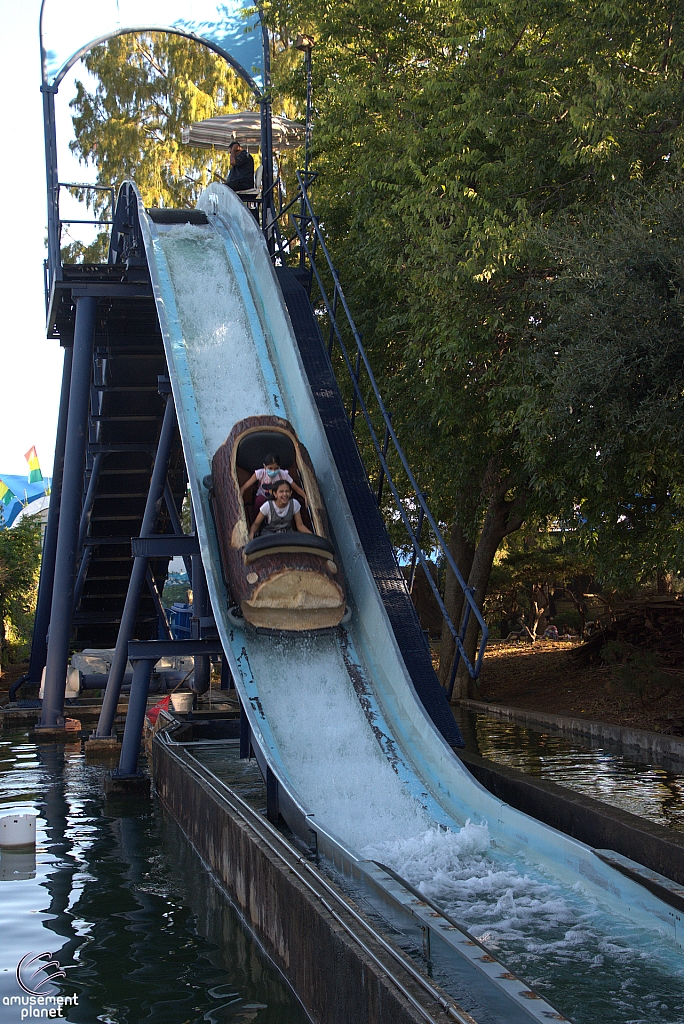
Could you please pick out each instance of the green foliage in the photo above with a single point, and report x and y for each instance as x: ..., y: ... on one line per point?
x: 148, y: 87
x: 175, y: 592
x: 20, y: 549
x: 96, y: 252
x: 488, y: 175
x: 601, y: 401
x: 538, y: 556
x: 447, y: 134
x: 529, y: 566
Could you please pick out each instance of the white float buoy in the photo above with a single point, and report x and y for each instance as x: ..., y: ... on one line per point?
x: 17, y: 830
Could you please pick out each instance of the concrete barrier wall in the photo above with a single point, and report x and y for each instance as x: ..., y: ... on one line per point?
x: 592, y: 822
x: 337, y: 982
x: 653, y: 744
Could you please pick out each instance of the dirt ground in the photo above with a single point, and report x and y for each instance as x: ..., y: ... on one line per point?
x: 544, y: 676
x: 10, y: 675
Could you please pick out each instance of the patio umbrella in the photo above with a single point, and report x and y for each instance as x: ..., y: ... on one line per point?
x: 219, y: 132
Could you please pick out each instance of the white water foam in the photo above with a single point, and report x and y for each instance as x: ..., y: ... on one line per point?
x: 335, y: 763
x: 224, y: 365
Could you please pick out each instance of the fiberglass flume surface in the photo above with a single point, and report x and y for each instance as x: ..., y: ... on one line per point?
x: 336, y: 719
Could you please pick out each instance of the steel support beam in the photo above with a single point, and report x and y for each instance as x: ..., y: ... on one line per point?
x: 61, y: 609
x: 135, y: 718
x: 82, y: 573
x: 226, y: 675
x: 84, y: 551
x: 47, y: 565
x: 201, y: 677
x: 50, y: 131
x: 138, y: 573
x: 157, y: 601
x: 157, y: 649
x: 165, y: 545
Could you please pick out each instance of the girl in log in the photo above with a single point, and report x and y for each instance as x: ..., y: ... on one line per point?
x: 280, y: 513
x: 268, y: 476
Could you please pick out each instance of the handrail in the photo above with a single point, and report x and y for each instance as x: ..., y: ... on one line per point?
x: 86, y: 187
x: 301, y: 223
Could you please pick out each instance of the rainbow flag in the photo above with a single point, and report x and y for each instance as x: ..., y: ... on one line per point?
x: 6, y: 495
x: 34, y: 473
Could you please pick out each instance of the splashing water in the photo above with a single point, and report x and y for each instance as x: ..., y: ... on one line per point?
x: 543, y: 930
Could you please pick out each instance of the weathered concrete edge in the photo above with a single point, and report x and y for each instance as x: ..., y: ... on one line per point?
x: 592, y: 822
x: 637, y: 739
x: 336, y: 981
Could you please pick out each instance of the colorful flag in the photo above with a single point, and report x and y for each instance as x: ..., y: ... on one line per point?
x: 34, y: 474
x: 6, y: 495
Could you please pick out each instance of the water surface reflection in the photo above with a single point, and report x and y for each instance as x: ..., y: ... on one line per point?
x: 125, y: 906
x: 649, y: 790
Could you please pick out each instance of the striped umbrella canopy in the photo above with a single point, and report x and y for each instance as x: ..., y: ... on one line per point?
x: 245, y: 127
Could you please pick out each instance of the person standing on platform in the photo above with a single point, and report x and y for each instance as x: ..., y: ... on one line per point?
x: 241, y: 177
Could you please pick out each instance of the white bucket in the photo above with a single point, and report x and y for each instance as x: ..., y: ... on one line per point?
x: 182, y: 702
x: 18, y: 830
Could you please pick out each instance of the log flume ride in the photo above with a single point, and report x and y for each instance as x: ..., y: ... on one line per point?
x: 353, y: 760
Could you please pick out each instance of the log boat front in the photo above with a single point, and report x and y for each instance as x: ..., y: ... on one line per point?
x: 288, y: 581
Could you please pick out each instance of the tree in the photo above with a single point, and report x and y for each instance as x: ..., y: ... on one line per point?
x: 148, y: 87
x: 601, y: 413
x: 20, y: 549
x: 446, y: 134
x: 531, y: 569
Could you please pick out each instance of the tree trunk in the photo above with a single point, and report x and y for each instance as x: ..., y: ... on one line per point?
x: 462, y: 551
x: 503, y: 517
x: 664, y: 582
x: 539, y: 604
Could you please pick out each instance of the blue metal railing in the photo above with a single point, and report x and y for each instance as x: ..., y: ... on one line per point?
x: 310, y: 236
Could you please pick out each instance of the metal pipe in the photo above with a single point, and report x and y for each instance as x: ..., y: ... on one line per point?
x: 89, y: 499
x: 70, y: 510
x: 135, y: 717
x: 157, y: 601
x: 87, y: 551
x: 266, y: 140
x: 472, y: 669
x: 138, y: 573
x: 307, y: 135
x: 47, y: 565
x: 82, y: 572
x: 419, y: 530
x: 460, y: 650
x: 50, y: 134
x: 357, y: 371
x: 381, y: 471
x: 201, y: 679
x: 333, y: 318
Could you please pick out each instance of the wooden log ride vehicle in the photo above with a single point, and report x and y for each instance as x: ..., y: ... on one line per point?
x: 287, y: 581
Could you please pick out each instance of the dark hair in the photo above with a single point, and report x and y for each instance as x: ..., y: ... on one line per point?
x: 278, y: 484
x: 268, y: 459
